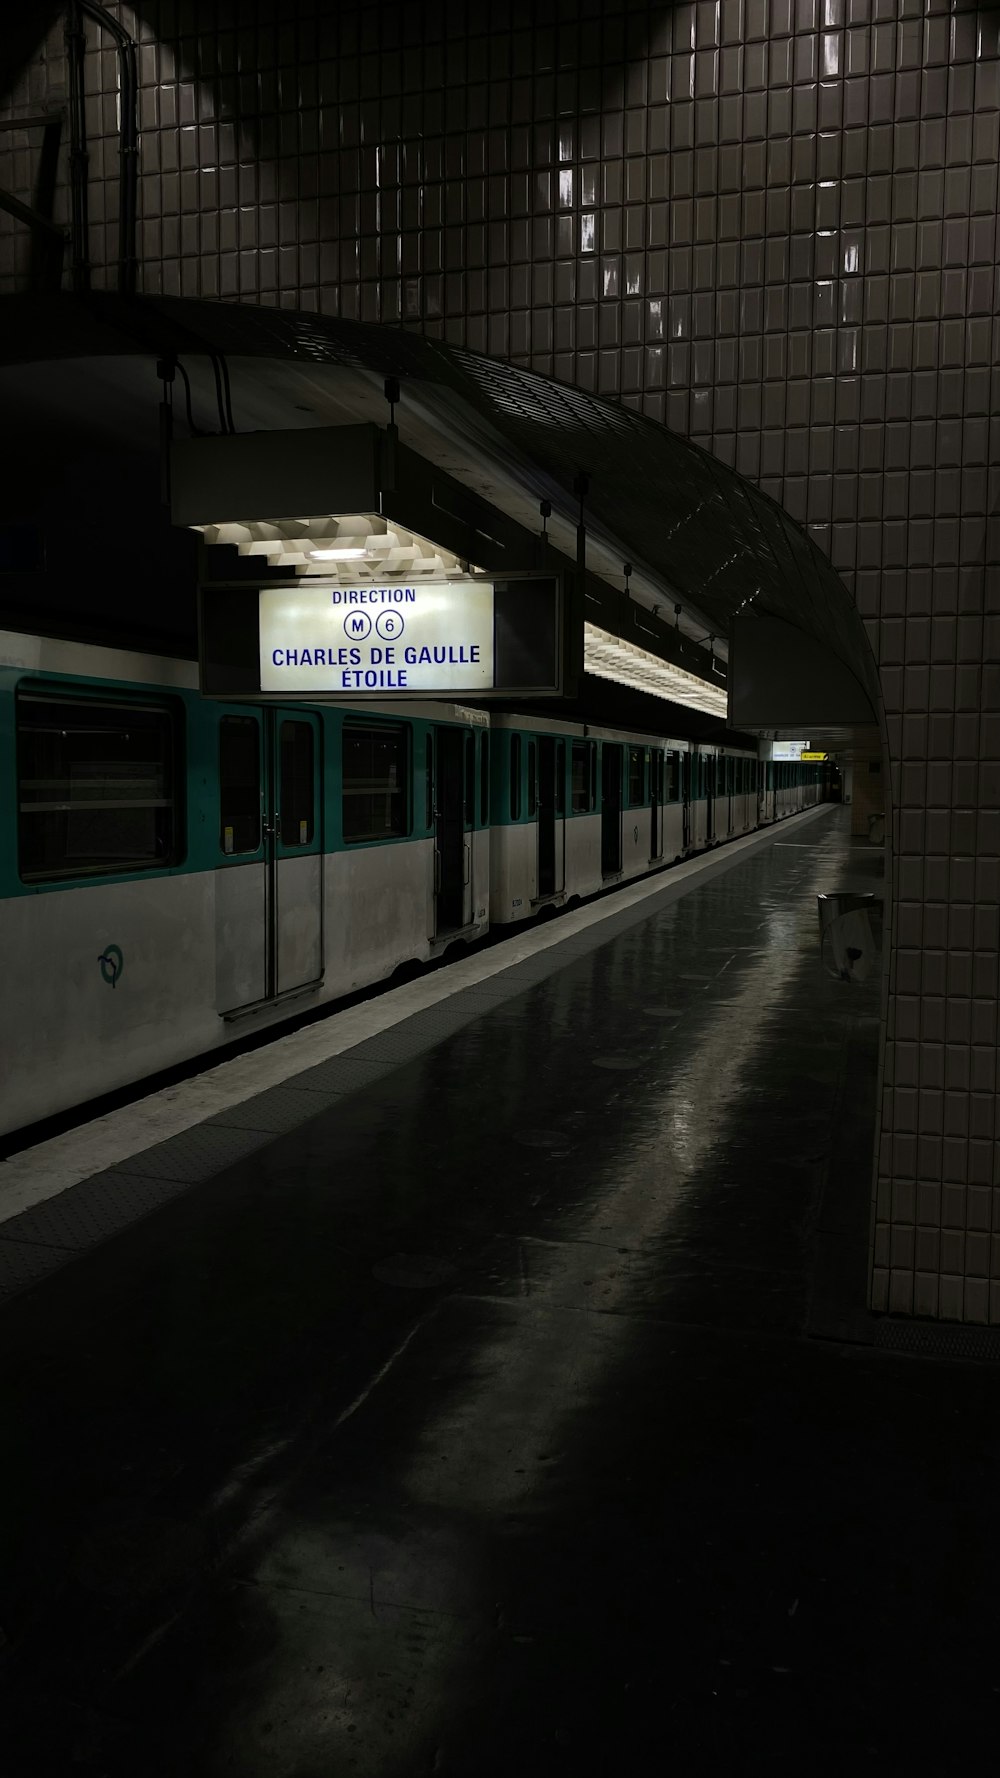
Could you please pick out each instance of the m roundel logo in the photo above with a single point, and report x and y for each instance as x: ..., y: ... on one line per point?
x: 357, y: 625
x: 112, y: 962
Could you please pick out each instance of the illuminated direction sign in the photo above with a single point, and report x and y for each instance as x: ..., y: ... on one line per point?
x: 788, y: 749
x: 435, y: 637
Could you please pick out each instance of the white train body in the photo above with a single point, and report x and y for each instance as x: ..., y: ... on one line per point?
x: 176, y: 872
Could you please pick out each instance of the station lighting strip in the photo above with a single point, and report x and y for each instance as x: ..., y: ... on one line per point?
x: 608, y: 657
x: 352, y: 549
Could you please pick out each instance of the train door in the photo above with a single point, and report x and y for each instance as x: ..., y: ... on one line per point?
x: 269, y: 894
x: 656, y: 803
x: 295, y: 853
x: 687, y: 792
x: 611, y: 809
x: 711, y: 780
x: 550, y: 764
x: 479, y: 835
x: 454, y: 790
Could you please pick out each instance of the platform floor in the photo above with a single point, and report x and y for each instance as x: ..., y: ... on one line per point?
x: 516, y: 1414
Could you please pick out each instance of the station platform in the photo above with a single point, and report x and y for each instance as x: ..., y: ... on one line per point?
x: 479, y: 1382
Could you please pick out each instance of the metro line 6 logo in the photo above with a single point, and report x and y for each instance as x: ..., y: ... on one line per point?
x: 358, y: 625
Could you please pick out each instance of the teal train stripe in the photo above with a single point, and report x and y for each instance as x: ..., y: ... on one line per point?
x: 198, y: 729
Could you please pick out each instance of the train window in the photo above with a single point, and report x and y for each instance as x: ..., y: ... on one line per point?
x: 581, y: 788
x: 636, y: 776
x: 560, y: 777
x: 297, y: 772
x: 484, y: 779
x: 374, y: 782
x: 469, y: 786
x: 515, y: 777
x: 239, y: 784
x: 96, y: 786
x: 673, y: 777
x: 429, y: 781
x: 532, y: 778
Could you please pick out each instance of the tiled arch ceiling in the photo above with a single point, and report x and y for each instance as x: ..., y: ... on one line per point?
x: 697, y: 524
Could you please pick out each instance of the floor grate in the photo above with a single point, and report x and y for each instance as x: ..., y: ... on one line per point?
x: 939, y: 1339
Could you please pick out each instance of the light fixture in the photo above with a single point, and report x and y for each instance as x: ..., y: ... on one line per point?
x: 608, y: 657
x: 346, y: 548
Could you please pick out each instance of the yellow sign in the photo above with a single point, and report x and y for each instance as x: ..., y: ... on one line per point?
x: 813, y: 756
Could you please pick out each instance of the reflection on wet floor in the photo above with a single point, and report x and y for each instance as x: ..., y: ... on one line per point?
x: 473, y: 1428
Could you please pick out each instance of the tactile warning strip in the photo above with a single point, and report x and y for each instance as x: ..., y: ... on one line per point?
x: 196, y: 1154
x: 22, y: 1265
x: 343, y: 1074
x: 273, y: 1112
x: 939, y: 1339
x: 93, y: 1211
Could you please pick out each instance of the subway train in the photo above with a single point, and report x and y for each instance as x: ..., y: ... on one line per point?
x: 176, y: 872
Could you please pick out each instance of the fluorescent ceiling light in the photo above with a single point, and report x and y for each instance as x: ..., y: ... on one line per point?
x: 370, y: 547
x: 608, y: 657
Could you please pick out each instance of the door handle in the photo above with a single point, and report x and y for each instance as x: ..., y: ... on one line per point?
x: 467, y: 862
x: 437, y: 870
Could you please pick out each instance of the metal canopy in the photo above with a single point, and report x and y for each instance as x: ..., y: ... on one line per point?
x: 695, y: 532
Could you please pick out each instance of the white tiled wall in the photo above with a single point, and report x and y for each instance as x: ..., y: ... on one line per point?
x: 771, y: 224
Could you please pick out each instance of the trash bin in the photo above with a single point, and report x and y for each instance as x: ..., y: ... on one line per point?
x: 876, y: 829
x: 850, y: 930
